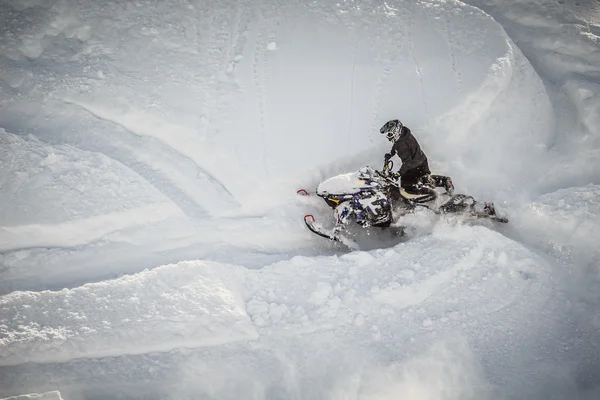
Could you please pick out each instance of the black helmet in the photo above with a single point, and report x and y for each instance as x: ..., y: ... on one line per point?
x: 392, y: 130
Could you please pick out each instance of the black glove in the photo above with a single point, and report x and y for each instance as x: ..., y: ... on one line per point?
x: 387, y: 157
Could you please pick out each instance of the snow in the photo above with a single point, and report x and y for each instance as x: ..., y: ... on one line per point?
x: 151, y: 238
x: 566, y: 223
x: 54, y: 395
x: 178, y: 306
x: 57, y: 184
x: 82, y: 231
x: 196, y: 304
x: 560, y: 39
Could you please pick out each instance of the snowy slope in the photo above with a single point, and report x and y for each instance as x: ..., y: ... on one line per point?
x: 149, y: 158
x: 560, y: 39
x: 387, y: 300
x: 214, y: 110
x: 188, y: 307
x: 228, y: 81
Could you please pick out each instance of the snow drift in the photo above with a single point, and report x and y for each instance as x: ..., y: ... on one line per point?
x: 154, y: 311
x: 467, y: 286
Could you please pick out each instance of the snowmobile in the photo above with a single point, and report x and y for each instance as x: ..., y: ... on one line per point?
x: 373, y: 198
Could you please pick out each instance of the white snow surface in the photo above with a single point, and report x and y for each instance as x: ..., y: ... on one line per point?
x: 54, y: 395
x: 178, y: 306
x: 151, y: 239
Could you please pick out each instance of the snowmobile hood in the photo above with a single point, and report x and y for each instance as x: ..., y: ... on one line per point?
x: 350, y: 183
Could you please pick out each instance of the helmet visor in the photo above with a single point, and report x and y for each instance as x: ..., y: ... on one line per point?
x: 392, y: 131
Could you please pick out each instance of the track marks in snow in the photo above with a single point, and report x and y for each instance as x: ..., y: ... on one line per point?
x: 411, y: 48
x: 375, y: 125
x: 197, y: 304
x: 81, y: 231
x: 387, y: 60
x: 259, y: 80
x: 352, y: 78
x: 455, y: 69
x: 177, y: 139
x: 363, y: 288
x: 221, y: 43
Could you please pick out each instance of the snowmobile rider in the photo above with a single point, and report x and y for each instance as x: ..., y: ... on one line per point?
x: 415, y: 176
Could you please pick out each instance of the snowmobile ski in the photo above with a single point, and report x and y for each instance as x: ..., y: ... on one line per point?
x: 503, y: 220
x: 309, y: 220
x: 489, y: 211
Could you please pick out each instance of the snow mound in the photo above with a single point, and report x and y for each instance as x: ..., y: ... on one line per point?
x: 187, y: 305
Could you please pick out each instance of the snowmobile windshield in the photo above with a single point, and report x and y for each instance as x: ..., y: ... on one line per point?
x: 350, y: 183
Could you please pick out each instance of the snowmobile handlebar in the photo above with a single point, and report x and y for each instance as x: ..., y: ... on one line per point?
x: 387, y: 170
x: 388, y: 174
x: 387, y: 166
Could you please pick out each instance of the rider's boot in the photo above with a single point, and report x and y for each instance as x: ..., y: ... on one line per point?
x: 489, y: 208
x: 449, y: 187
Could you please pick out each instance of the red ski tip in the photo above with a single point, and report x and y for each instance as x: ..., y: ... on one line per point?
x: 309, y: 216
x: 302, y: 192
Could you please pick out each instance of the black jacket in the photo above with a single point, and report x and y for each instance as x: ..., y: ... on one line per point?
x: 409, y: 151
